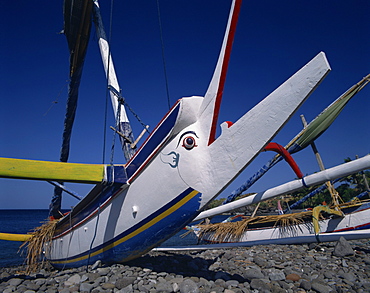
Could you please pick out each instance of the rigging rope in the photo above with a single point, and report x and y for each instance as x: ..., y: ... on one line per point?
x: 163, y: 57
x: 121, y: 101
x: 93, y: 238
x: 107, y: 92
x: 118, y: 118
x: 57, y: 98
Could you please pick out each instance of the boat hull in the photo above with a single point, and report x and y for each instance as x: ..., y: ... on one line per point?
x: 111, y: 237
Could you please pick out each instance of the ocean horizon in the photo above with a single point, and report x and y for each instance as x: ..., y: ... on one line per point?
x: 22, y: 221
x: 19, y: 221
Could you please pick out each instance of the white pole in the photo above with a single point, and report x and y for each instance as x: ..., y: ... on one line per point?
x: 314, y: 179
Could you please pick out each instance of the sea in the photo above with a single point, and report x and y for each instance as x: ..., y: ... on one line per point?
x: 23, y: 221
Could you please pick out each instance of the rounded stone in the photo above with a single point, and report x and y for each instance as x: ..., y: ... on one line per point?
x: 15, y: 282
x: 124, y: 282
x: 188, y: 286
x: 293, y: 277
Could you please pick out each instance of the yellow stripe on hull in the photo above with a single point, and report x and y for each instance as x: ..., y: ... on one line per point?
x: 51, y: 171
x: 15, y: 237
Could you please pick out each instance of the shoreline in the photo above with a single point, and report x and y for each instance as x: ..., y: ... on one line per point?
x: 342, y: 266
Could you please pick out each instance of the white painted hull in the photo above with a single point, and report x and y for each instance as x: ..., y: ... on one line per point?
x: 354, y: 225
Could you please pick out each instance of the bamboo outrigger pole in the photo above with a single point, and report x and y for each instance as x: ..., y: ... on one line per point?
x: 333, y: 193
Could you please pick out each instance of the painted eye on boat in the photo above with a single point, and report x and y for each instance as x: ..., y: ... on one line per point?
x: 188, y: 142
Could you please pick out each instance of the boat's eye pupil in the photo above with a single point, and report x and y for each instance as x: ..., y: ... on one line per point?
x: 189, y: 142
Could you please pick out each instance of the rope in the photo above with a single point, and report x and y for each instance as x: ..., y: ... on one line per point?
x: 93, y: 239
x: 136, y: 116
x: 122, y: 101
x: 107, y: 92
x: 163, y: 57
x: 105, y: 127
x: 118, y: 117
x: 118, y: 114
x: 57, y: 98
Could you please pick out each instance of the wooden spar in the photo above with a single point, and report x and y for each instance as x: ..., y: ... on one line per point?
x: 255, y: 210
x: 365, y: 181
x: 133, y: 145
x: 51, y: 171
x: 366, y: 184
x: 121, y: 134
x: 333, y: 193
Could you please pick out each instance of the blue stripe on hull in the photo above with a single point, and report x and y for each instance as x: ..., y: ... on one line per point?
x: 142, y: 242
x: 158, y: 135
x: 87, y: 207
x: 362, y: 227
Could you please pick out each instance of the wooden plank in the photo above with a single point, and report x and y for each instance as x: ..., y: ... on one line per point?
x: 51, y: 171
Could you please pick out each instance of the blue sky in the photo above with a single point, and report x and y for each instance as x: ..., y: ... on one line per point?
x: 273, y: 40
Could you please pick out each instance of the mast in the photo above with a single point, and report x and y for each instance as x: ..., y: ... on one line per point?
x: 77, y: 26
x: 123, y: 127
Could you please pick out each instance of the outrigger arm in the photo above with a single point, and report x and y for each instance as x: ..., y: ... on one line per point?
x: 60, y: 171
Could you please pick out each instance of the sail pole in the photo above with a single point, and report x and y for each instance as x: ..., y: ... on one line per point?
x: 333, y: 193
x: 123, y: 125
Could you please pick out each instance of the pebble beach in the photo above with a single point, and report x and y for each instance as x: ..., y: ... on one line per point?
x: 342, y: 266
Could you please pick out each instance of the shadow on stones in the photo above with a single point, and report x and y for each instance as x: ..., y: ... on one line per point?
x: 20, y: 276
x: 185, y: 265
x: 362, y: 249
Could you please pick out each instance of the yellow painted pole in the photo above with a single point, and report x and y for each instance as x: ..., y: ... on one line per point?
x: 51, y: 171
x: 15, y: 237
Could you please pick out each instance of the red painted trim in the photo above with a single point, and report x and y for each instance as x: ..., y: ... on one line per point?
x: 358, y: 227
x: 155, y: 151
x: 154, y: 130
x: 229, y: 43
x: 229, y: 123
x: 273, y: 146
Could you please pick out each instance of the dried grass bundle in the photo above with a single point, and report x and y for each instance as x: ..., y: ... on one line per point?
x: 37, y: 244
x: 234, y: 231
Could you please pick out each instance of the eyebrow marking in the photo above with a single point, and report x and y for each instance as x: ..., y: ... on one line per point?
x: 185, y: 133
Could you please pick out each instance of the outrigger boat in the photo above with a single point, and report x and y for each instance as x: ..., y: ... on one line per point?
x: 171, y: 177
x: 323, y: 223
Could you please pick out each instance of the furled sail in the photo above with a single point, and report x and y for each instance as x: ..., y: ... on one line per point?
x: 307, y: 135
x: 77, y: 26
x: 123, y: 126
x: 324, y: 119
